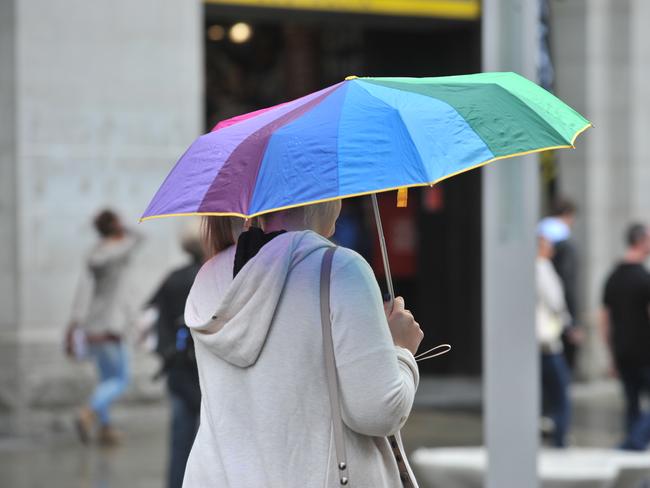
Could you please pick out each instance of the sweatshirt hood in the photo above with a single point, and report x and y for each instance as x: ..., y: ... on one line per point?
x: 232, y: 317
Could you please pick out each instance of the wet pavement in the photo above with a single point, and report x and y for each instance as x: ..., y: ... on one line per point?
x: 447, y: 413
x: 59, y: 460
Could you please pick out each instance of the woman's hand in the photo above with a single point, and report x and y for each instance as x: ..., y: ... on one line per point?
x: 405, y: 330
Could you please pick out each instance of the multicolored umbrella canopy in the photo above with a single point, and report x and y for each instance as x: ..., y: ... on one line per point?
x: 362, y: 136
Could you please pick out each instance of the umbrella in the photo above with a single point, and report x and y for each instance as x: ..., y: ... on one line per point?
x: 362, y: 136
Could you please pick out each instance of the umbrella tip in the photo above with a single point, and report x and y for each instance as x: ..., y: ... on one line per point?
x: 351, y: 77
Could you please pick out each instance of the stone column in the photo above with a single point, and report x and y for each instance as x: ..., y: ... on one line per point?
x: 639, y: 65
x: 10, y: 386
x: 107, y: 96
x: 510, y: 212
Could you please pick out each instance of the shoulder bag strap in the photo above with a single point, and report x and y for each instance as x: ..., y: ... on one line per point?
x: 330, y: 366
x: 333, y: 387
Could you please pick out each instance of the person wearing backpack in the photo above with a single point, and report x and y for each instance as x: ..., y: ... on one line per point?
x: 176, y: 349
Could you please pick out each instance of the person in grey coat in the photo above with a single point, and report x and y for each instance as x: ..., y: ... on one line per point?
x: 101, y: 311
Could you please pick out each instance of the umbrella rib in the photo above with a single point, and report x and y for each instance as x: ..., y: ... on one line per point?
x: 370, y: 192
x: 266, y: 132
x: 542, y: 117
x: 413, y: 145
x: 477, y: 133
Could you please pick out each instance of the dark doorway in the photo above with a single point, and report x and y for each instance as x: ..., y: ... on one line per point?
x: 438, y: 238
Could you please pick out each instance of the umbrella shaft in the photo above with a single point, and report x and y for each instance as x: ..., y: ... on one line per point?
x: 384, y: 251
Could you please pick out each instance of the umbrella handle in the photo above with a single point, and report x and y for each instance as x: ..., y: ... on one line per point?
x: 384, y: 251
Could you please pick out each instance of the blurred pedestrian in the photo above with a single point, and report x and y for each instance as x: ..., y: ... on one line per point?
x: 101, y: 312
x: 254, y: 311
x: 175, y: 345
x: 557, y: 228
x: 551, y: 318
x: 625, y: 325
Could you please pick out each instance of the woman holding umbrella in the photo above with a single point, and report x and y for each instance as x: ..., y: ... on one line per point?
x: 265, y: 421
x: 254, y: 315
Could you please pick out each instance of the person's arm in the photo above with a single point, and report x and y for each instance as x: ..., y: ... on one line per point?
x: 165, y: 325
x: 82, y: 297
x: 550, y: 290
x: 80, y: 305
x: 377, y: 379
x: 605, y: 326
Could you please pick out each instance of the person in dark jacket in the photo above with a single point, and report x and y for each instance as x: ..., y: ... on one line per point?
x: 176, y: 350
x: 625, y: 324
x: 175, y: 345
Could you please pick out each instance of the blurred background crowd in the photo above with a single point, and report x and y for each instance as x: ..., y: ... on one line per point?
x: 97, y: 100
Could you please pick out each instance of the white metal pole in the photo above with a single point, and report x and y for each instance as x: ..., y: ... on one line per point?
x: 393, y: 439
x: 510, y: 210
x: 384, y: 250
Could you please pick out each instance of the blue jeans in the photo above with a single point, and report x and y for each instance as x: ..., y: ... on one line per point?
x: 185, y: 422
x: 555, y: 391
x: 636, y: 382
x: 112, y: 368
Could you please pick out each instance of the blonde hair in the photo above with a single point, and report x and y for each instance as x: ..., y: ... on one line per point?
x: 319, y: 217
x: 218, y: 233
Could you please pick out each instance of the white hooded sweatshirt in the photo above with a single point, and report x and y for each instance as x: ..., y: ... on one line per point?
x: 265, y: 413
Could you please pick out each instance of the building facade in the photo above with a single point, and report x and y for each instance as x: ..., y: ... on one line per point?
x: 98, y: 100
